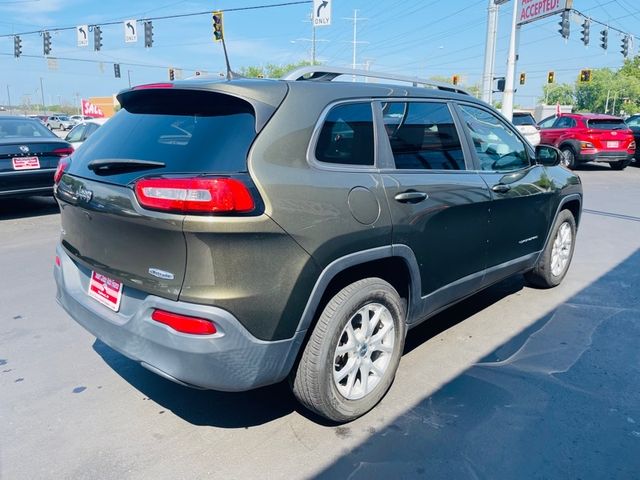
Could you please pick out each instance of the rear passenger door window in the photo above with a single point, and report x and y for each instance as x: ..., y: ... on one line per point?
x: 346, y: 137
x: 497, y: 147
x: 422, y: 136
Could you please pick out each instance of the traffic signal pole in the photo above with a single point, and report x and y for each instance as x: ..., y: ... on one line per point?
x: 509, y: 84
x: 490, y: 52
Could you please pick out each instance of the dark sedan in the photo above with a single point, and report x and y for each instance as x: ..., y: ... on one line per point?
x: 633, y: 122
x: 29, y: 155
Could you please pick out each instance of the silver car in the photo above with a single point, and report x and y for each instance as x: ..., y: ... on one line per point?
x: 61, y: 122
x: 527, y: 125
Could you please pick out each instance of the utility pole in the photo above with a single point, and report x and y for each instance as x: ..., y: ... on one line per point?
x: 615, y: 96
x: 509, y: 83
x: 606, y: 105
x: 42, y: 93
x: 9, y: 100
x: 355, y: 41
x: 313, y: 41
x: 490, y: 52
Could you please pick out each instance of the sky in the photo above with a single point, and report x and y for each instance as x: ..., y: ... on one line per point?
x: 412, y: 37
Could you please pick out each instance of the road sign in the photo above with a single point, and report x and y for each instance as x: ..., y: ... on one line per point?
x: 130, y: 31
x: 532, y: 10
x: 82, y: 34
x: 321, y: 13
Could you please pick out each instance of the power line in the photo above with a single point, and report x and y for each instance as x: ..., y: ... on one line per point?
x: 163, y: 17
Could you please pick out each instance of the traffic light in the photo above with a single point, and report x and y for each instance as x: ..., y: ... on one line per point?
x: 116, y: 70
x: 148, y: 34
x: 46, y: 43
x: 218, y: 30
x: 455, y: 79
x: 625, y: 46
x: 604, y: 38
x: 97, y: 38
x: 586, y: 26
x: 585, y: 75
x: 565, y: 24
x: 523, y: 78
x: 17, y: 46
x: 172, y: 74
x: 551, y: 77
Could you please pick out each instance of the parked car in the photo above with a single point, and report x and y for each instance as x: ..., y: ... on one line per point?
x: 82, y: 131
x: 61, y: 122
x: 633, y: 122
x: 76, y: 119
x: 29, y: 155
x: 41, y: 118
x: 526, y: 124
x: 589, y: 137
x: 231, y: 234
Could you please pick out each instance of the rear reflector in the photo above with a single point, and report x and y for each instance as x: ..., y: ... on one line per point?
x: 63, y: 165
x: 63, y: 152
x: 194, y: 195
x: 57, y: 260
x: 184, y: 323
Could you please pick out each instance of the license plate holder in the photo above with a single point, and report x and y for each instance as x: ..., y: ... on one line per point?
x: 25, y: 163
x: 105, y: 290
x: 613, y: 144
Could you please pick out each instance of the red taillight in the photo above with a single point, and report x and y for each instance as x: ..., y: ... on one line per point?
x: 194, y: 195
x: 63, y: 164
x: 63, y: 152
x: 57, y: 260
x: 184, y: 323
x: 632, y: 145
x: 150, y: 86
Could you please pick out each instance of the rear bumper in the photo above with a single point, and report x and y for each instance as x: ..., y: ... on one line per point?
x: 230, y: 360
x: 614, y: 156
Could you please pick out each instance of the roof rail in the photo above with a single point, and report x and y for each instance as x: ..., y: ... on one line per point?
x: 326, y: 74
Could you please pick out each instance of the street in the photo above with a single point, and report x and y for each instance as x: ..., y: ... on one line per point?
x: 512, y: 380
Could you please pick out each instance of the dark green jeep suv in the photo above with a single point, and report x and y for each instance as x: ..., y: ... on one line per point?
x: 231, y: 234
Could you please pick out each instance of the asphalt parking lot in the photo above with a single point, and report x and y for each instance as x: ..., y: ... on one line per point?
x: 512, y: 383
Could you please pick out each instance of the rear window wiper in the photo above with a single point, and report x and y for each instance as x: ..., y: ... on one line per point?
x: 111, y: 167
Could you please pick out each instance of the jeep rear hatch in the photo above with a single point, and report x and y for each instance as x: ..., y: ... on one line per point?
x: 168, y: 152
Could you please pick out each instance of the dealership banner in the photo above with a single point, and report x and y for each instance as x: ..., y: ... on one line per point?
x: 91, y: 110
x: 531, y: 10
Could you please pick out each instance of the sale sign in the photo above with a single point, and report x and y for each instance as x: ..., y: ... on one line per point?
x: 531, y: 10
x: 91, y: 110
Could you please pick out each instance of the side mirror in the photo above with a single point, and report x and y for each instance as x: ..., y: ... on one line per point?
x: 547, y: 155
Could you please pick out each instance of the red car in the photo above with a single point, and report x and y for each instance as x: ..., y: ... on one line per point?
x: 589, y: 137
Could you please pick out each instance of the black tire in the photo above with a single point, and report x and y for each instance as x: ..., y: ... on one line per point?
x: 314, y: 385
x: 542, y: 275
x: 619, y: 165
x: 568, y: 158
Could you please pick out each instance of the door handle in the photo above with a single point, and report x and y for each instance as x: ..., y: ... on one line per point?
x: 411, y: 197
x: 501, y: 188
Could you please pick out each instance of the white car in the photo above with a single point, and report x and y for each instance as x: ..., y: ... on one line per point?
x: 82, y: 131
x: 526, y: 124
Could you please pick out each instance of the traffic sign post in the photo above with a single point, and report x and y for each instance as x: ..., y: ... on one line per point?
x: 321, y: 13
x: 130, y: 31
x: 82, y: 35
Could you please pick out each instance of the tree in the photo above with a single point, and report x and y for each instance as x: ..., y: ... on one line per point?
x: 272, y: 70
x: 562, y: 93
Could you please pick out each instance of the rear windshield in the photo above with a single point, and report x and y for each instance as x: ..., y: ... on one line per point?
x: 189, y: 131
x: 521, y: 119
x: 607, y: 124
x: 19, y: 128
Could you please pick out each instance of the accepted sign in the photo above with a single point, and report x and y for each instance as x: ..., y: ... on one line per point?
x: 531, y: 10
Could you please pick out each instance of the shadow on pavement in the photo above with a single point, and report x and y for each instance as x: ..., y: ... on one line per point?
x: 559, y: 400
x: 245, y: 409
x: 203, y: 407
x: 25, y: 207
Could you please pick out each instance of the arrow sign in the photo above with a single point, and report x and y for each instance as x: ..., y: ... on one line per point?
x: 130, y: 31
x: 81, y: 35
x: 321, y: 13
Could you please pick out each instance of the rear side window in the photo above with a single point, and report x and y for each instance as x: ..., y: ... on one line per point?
x: 346, y: 137
x: 189, y: 131
x: 607, y: 124
x: 422, y: 136
x: 564, y: 122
